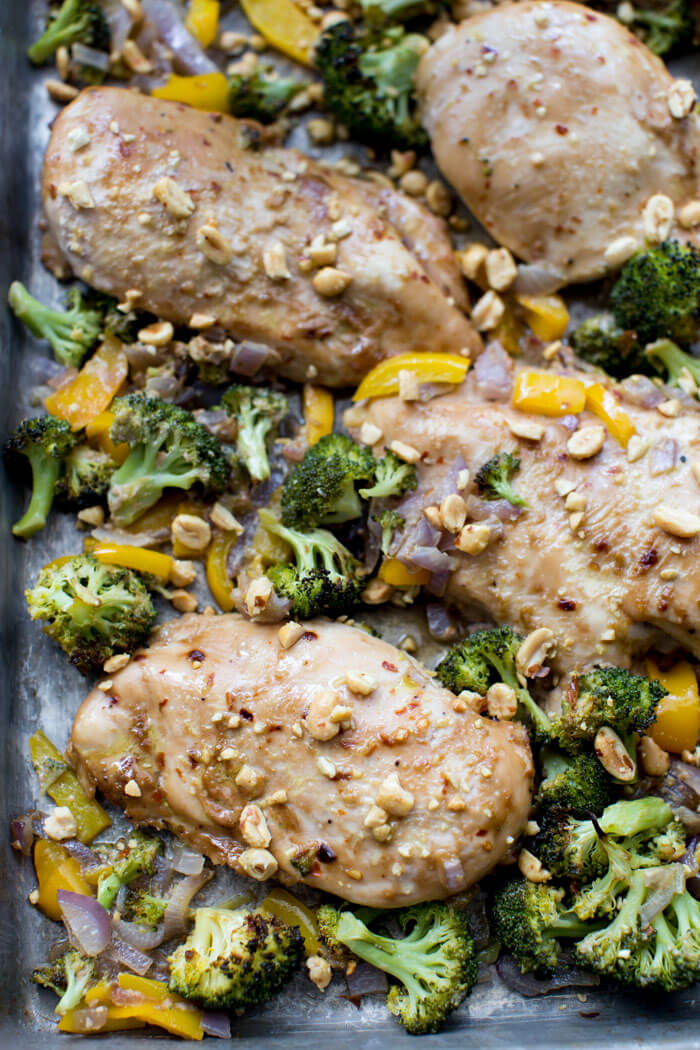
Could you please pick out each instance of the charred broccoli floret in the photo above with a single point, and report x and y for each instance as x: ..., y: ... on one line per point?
x: 607, y: 696
x: 487, y: 657
x: 368, y: 83
x: 261, y: 95
x: 257, y: 411
x: 616, y: 350
x: 392, y: 477
x: 72, y: 333
x: 493, y: 479
x: 124, y: 324
x: 569, y: 847
x: 44, y: 441
x: 323, y: 577
x: 91, y: 610
x: 434, y: 961
x: 86, y: 477
x: 235, y: 959
x: 69, y: 976
x: 390, y: 521
x: 657, y: 294
x: 168, y: 449
x: 321, y: 489
x: 577, y: 783
x: 398, y: 10
x: 77, y: 21
x: 665, y: 26
x: 530, y: 920
x: 144, y: 908
x: 128, y: 861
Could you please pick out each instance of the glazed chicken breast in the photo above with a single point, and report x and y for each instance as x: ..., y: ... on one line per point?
x: 325, y: 756
x: 561, y: 131
x: 175, y: 211
x: 605, y: 555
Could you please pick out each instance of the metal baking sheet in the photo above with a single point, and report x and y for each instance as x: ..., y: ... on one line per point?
x: 38, y: 689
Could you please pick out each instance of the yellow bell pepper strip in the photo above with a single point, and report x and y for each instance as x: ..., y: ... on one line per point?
x: 141, y: 559
x: 508, y: 332
x: 546, y: 394
x: 318, y: 412
x: 56, y: 870
x: 208, y: 91
x: 284, y: 26
x: 203, y: 20
x: 677, y: 725
x: 100, y: 994
x: 94, y: 387
x: 114, y: 1021
x: 603, y: 403
x: 395, y: 573
x: 220, y: 583
x: 383, y: 380
x: 98, y: 429
x: 65, y: 789
x: 546, y: 315
x: 288, y: 909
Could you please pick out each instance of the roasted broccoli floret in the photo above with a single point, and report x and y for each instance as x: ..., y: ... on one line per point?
x: 323, y: 577
x: 86, y: 477
x: 607, y: 696
x: 235, y: 959
x: 530, y: 920
x: 321, y: 489
x: 257, y: 411
x: 45, y: 441
x: 72, y: 333
x: 124, y: 324
x: 616, y: 350
x: 128, y: 860
x: 69, y: 976
x: 391, y: 521
x: 261, y: 95
x: 144, y: 908
x: 665, y: 26
x: 77, y: 21
x: 569, y: 847
x: 392, y: 477
x: 493, y: 479
x: 575, y: 783
x: 92, y: 610
x: 657, y: 294
x: 487, y: 657
x: 434, y: 961
x: 368, y: 83
x: 668, y: 358
x: 398, y: 10
x: 168, y: 449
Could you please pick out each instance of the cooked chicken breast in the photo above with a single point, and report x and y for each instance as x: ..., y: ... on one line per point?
x: 605, y: 556
x: 175, y: 211
x: 553, y: 123
x: 337, y: 761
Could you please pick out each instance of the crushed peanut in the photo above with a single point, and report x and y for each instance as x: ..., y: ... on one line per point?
x: 134, y: 58
x: 212, y: 243
x: 160, y: 333
x: 620, y: 250
x: 77, y: 138
x: 223, y: 519
x: 453, y: 511
x: 433, y: 516
x: 637, y: 448
x: 393, y: 798
x: 132, y: 789
x: 290, y: 633
x: 488, y: 312
x: 526, y: 428
x: 405, y: 452
x: 586, y: 442
x: 254, y: 829
x: 116, y: 663
x: 501, y: 270
x: 182, y: 573
x: 321, y: 131
x: 325, y: 767
x: 575, y: 501
x: 330, y: 281
x: 613, y: 755
x: 689, y: 215
x: 376, y: 817
x: 474, y: 538
x: 409, y: 385
x: 677, y: 522
x: 502, y: 703
x: 173, y: 198
x: 94, y: 516
x: 319, y: 970
x: 681, y: 99
x: 360, y: 682
x: 200, y: 321
x: 249, y: 779
x: 60, y: 824
x: 191, y: 531
x: 438, y: 198
x: 414, y: 183
x: 534, y: 650
x: 322, y: 252
x: 258, y: 595
x: 317, y: 718
x: 472, y: 261
x: 657, y: 218
x: 58, y: 91
x: 183, y: 601
x: 259, y: 864
x: 370, y: 434
x: 670, y: 408
x: 78, y: 193
x: 275, y: 262
x: 655, y: 761
x: 532, y: 868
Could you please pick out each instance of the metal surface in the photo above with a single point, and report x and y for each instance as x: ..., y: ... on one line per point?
x: 38, y: 688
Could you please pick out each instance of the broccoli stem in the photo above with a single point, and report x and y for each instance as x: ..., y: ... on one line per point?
x: 403, y: 959
x: 71, y: 333
x: 68, y: 25
x: 45, y: 473
x: 667, y: 356
x: 108, y: 889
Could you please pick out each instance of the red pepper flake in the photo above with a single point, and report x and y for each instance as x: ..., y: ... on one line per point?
x: 388, y: 667
x: 561, y: 129
x: 309, y: 636
x: 567, y: 604
x: 196, y: 654
x: 244, y: 713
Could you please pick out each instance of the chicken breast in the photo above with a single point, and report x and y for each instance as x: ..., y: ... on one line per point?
x: 177, y: 212
x: 336, y: 761
x: 606, y: 554
x: 553, y: 123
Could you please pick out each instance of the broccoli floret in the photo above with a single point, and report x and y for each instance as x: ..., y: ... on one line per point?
x: 45, y: 441
x: 607, y: 696
x: 128, y: 861
x: 144, y: 908
x: 664, y: 26
x: 368, y: 83
x: 576, y: 783
x: 493, y: 479
x: 667, y: 357
x: 77, y: 21
x: 235, y: 959
x: 487, y: 657
x: 324, y: 577
x: 607, y: 950
x: 616, y: 350
x: 392, y: 477
x: 434, y: 962
x: 168, y: 449
x: 398, y: 10
x: 261, y: 95
x: 124, y: 325
x: 92, y: 610
x: 71, y: 333
x: 86, y: 476
x: 256, y: 411
x: 657, y: 294
x: 530, y: 920
x: 391, y: 521
x: 569, y: 847
x: 321, y: 489
x: 69, y: 976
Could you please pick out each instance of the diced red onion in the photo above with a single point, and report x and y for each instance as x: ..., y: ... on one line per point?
x: 493, y: 374
x: 484, y: 510
x: 569, y: 423
x: 186, y: 861
x: 87, y: 858
x: 440, y: 625
x: 366, y: 980
x: 429, y: 558
x: 151, y: 538
x: 665, y: 882
x: 119, y: 22
x: 22, y: 835
x: 90, y: 56
x: 639, y: 390
x: 129, y: 956
x: 663, y: 457
x: 453, y: 873
x: 528, y: 985
x: 189, y: 58
x: 248, y: 358
x: 87, y: 922
x: 138, y: 936
x: 85, y: 1022
x: 175, y: 920
x: 437, y: 584
x: 216, y: 1023
x: 534, y: 279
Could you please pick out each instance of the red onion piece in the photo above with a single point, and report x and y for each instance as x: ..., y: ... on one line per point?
x: 86, y: 921
x: 141, y: 937
x: 175, y: 922
x: 186, y: 861
x: 119, y: 22
x: 366, y: 980
x: 22, y: 835
x: 437, y: 584
x: 665, y: 883
x: 89, y: 56
x: 534, y: 279
x: 429, y: 558
x: 440, y: 625
x: 453, y: 874
x: 493, y: 374
x: 663, y: 457
x: 87, y: 858
x: 189, y: 58
x: 129, y: 956
x: 216, y: 1023
x: 87, y: 1021
x: 248, y: 358
x: 640, y: 391
x: 528, y: 985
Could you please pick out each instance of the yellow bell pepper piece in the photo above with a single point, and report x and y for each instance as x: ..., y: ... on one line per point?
x: 290, y: 910
x: 100, y: 994
x: 383, y: 380
x: 146, y: 986
x: 220, y: 583
x: 603, y: 403
x: 203, y: 20
x: 141, y: 559
x: 546, y: 394
x: 508, y: 332
x: 115, y: 1021
x: 208, y: 91
x: 92, y: 390
x: 319, y: 412
x: 546, y: 315
x: 677, y: 724
x: 56, y: 870
x: 284, y: 26
x: 66, y: 790
x: 396, y: 574
x: 98, y: 430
